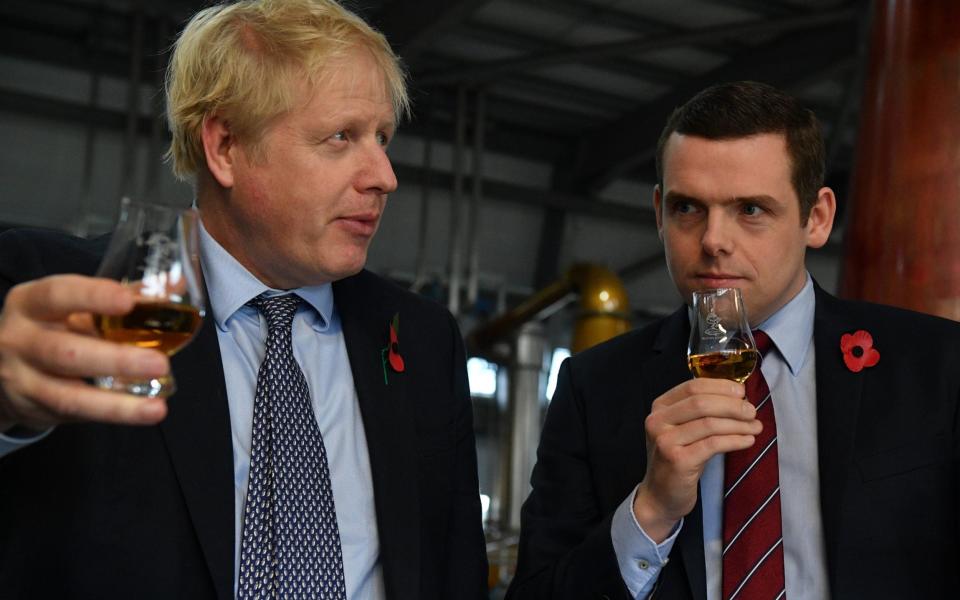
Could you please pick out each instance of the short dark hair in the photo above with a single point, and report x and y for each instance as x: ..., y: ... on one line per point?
x: 744, y: 108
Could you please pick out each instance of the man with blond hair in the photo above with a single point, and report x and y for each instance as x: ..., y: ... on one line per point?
x: 281, y: 111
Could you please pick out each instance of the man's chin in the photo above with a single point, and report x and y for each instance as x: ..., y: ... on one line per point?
x: 343, y: 268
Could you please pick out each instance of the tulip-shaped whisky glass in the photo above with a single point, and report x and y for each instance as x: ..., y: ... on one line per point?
x: 155, y: 252
x: 721, y: 345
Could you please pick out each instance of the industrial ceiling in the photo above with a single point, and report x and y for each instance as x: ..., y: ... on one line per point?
x: 576, y: 90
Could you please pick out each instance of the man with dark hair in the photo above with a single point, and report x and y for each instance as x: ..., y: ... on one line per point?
x: 833, y: 472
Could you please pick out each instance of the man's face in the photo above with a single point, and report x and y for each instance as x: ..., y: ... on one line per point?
x: 303, y: 212
x: 729, y: 216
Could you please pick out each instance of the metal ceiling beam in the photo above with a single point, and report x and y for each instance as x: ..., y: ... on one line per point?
x: 70, y: 113
x: 603, y: 14
x: 591, y: 99
x: 530, y: 45
x: 514, y: 126
x: 494, y: 70
x: 72, y: 47
x: 538, y: 198
x: 586, y: 12
x: 762, y: 7
x: 631, y: 140
x: 537, y: 118
x: 413, y: 26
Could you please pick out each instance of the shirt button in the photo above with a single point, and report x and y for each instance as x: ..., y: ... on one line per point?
x: 644, y: 565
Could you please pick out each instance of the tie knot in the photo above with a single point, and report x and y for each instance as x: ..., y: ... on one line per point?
x: 764, y: 343
x: 277, y: 310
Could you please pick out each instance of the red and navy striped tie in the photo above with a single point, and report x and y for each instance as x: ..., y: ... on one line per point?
x: 752, y: 534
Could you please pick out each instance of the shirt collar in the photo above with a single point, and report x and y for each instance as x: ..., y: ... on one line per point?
x: 230, y: 286
x: 791, y: 327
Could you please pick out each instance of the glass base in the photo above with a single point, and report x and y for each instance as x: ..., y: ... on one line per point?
x: 158, y: 387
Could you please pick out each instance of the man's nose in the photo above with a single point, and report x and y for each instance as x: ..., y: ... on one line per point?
x: 377, y: 173
x: 719, y: 236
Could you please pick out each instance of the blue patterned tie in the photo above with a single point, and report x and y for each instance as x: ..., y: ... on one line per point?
x: 290, y: 547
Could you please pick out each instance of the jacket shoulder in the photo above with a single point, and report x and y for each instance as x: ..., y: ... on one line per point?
x: 366, y: 284
x: 881, y: 319
x: 27, y: 254
x: 627, y: 351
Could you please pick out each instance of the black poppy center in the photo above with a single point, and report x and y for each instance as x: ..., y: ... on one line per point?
x: 395, y: 348
x: 857, y: 351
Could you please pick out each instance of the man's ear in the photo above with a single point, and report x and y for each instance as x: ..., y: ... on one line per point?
x: 820, y: 222
x: 658, y: 209
x: 219, y: 148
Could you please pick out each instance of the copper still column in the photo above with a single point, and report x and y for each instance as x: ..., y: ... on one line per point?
x: 903, y: 234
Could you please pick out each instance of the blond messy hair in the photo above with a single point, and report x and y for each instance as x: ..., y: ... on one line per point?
x: 242, y: 61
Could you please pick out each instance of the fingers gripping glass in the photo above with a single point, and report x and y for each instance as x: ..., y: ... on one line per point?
x: 155, y: 252
x: 721, y: 344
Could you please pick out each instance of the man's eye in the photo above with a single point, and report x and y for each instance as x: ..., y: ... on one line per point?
x: 340, y: 136
x: 382, y: 138
x: 683, y: 208
x: 752, y: 210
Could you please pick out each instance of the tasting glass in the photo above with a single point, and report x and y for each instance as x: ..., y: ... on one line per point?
x: 155, y: 252
x: 721, y: 344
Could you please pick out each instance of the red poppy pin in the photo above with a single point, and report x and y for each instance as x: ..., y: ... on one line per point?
x: 391, y: 354
x: 858, y: 350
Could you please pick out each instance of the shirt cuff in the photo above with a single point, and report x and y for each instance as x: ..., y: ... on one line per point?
x: 17, y: 438
x: 639, y: 557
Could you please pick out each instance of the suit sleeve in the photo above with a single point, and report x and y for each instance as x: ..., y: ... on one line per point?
x: 467, y: 557
x: 18, y: 262
x: 566, y: 551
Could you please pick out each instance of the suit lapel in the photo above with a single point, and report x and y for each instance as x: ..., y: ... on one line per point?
x: 838, y: 405
x: 665, y: 370
x: 197, y: 435
x: 390, y: 430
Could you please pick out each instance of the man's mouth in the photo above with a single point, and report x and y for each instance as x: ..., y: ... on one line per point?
x: 363, y: 224
x: 718, y: 280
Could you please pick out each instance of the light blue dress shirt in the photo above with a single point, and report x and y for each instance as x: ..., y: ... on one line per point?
x: 790, y: 372
x: 320, y: 350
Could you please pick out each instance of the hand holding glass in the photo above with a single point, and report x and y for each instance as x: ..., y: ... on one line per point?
x: 155, y: 252
x: 721, y: 344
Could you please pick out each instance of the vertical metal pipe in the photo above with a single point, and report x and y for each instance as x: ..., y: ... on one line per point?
x: 473, y: 253
x: 498, y: 513
x: 155, y: 151
x: 527, y: 381
x: 133, y: 106
x: 420, y: 271
x: 453, y: 301
x: 90, y: 136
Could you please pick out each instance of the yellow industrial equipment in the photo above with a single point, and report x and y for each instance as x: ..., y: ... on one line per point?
x: 603, y: 310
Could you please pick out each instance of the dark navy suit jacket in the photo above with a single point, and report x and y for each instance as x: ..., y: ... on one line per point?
x: 889, y: 453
